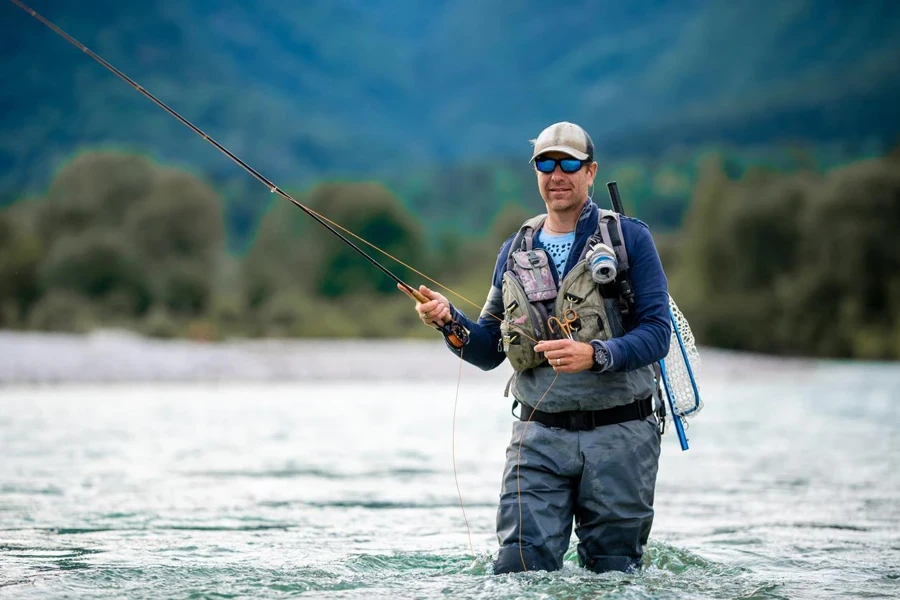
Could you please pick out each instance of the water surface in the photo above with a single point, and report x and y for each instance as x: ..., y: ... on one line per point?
x: 345, y: 489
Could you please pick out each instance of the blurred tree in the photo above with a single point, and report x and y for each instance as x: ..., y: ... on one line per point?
x: 375, y: 214
x: 795, y: 264
x: 845, y: 304
x: 507, y: 222
x: 63, y: 310
x: 178, y: 232
x: 699, y: 262
x: 185, y: 287
x: 180, y: 218
x: 280, y: 255
x: 126, y: 233
x: 96, y: 267
x: 95, y: 189
x: 21, y: 252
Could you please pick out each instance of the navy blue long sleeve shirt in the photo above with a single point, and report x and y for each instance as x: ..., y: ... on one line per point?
x: 648, y: 327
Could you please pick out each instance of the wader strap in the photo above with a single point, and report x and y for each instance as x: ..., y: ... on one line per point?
x: 585, y: 420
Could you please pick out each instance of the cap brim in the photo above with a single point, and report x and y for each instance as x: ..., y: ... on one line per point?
x: 564, y: 149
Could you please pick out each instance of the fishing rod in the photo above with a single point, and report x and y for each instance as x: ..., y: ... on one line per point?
x: 456, y: 333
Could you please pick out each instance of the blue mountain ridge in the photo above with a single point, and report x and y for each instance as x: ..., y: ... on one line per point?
x: 338, y: 88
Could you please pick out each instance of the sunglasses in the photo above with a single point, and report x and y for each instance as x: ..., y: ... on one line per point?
x: 568, y: 165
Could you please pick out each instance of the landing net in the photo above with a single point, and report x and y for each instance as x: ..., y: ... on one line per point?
x: 682, y: 366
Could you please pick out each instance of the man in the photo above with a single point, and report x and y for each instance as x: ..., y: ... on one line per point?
x: 587, y: 442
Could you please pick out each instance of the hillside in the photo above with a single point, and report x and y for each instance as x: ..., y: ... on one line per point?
x: 347, y: 88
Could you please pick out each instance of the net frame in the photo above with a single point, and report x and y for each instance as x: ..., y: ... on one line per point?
x: 682, y: 366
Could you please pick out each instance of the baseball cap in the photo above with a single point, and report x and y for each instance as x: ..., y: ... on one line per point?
x: 564, y: 137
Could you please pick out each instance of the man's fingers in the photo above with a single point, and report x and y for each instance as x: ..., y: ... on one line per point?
x: 427, y: 292
x: 549, y: 345
x: 436, y: 311
x: 433, y: 308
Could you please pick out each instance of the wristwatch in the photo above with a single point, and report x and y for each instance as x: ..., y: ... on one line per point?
x: 601, y: 356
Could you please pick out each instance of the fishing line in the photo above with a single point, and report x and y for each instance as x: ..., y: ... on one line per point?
x: 420, y: 274
x: 273, y: 188
x: 330, y: 226
x: 453, y: 454
x: 256, y: 174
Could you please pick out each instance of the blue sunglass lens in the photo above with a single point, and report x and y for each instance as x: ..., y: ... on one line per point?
x: 569, y: 165
x: 547, y: 165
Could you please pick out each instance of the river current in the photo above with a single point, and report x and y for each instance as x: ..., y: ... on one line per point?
x: 345, y: 488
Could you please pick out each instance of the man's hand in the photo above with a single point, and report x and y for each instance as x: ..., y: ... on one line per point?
x: 434, y: 312
x: 567, y: 356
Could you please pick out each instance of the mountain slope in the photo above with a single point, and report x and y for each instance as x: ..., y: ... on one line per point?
x: 351, y: 88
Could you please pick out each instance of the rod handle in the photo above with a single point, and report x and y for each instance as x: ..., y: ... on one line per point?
x: 413, y: 293
x: 418, y: 297
x: 615, y: 197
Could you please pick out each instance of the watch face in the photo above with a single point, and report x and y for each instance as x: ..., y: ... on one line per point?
x: 600, y: 356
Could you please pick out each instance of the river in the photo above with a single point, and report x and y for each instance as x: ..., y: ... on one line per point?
x: 336, y: 478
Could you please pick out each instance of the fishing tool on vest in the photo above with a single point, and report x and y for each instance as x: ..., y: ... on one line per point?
x: 679, y: 370
x: 566, y: 325
x: 603, y: 265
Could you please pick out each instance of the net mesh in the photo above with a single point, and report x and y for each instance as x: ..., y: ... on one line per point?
x: 678, y: 373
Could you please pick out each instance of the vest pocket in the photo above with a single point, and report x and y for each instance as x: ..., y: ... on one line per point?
x: 521, y: 322
x: 533, y: 269
x: 592, y: 324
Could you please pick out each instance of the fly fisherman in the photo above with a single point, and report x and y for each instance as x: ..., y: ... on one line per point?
x: 589, y: 448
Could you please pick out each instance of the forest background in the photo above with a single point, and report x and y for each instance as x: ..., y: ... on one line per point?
x: 759, y: 141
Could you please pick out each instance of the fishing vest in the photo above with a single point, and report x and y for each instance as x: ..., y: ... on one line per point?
x: 531, y: 297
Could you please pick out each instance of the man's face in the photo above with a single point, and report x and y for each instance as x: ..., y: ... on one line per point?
x: 565, y: 191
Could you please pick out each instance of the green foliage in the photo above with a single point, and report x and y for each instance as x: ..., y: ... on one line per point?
x: 769, y: 259
x: 114, y: 236
x: 125, y: 232
x: 371, y: 212
x: 63, y: 310
x: 159, y: 323
x: 508, y: 221
x: 187, y: 288
x: 279, y: 255
x: 94, y: 190
x: 21, y: 253
x: 795, y: 264
x: 96, y: 268
x: 179, y: 219
x: 229, y: 316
